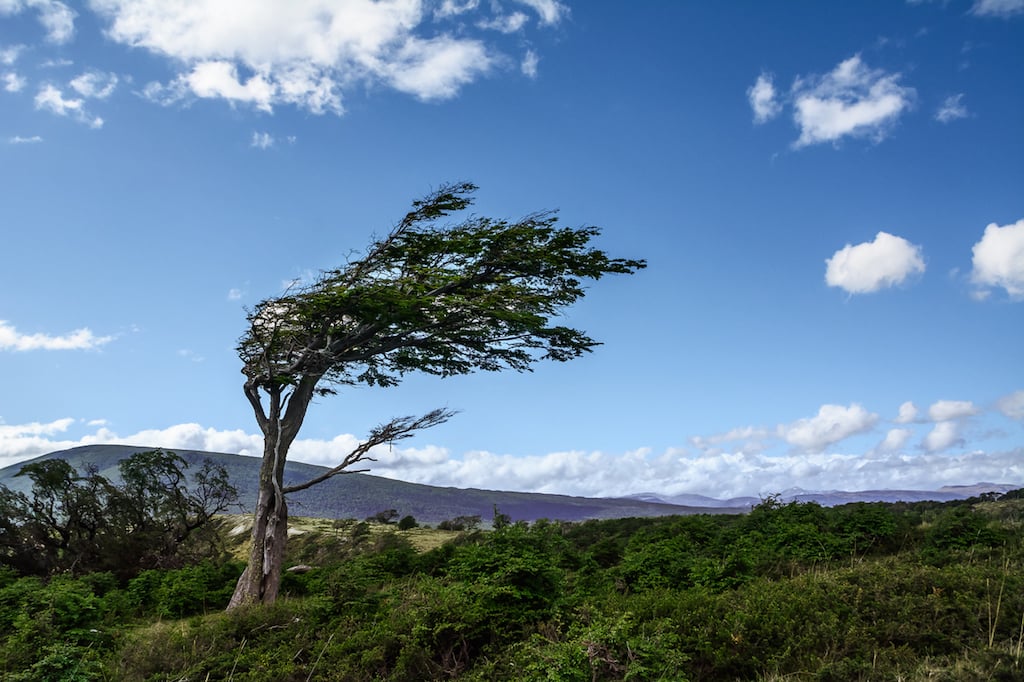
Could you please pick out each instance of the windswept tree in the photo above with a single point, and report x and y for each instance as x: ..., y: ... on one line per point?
x: 431, y: 296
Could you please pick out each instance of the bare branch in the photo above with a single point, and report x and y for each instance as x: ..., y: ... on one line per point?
x: 397, y: 429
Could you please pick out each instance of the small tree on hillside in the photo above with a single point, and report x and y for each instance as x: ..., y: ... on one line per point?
x: 429, y: 297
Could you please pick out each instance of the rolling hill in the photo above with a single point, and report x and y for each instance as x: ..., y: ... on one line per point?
x: 361, y: 495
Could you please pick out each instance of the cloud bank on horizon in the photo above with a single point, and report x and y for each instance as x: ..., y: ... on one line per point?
x: 871, y: 159
x: 742, y: 462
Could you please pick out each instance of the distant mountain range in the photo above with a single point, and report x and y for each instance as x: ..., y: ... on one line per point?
x: 362, y: 495
x: 831, y: 498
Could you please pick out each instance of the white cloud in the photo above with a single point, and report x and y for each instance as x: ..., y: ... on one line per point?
x: 764, y: 99
x: 508, y: 23
x: 852, y: 100
x: 999, y: 259
x: 952, y: 108
x: 94, y: 84
x: 234, y: 294
x: 575, y: 472
x: 56, y: 17
x: 451, y: 8
x: 550, y: 11
x: 832, y: 424
x: 1012, y: 405
x: 908, y: 413
x: 79, y: 339
x: 51, y: 99
x: 529, y: 64
x: 13, y: 82
x: 437, y: 69
x: 219, y: 79
x: 943, y: 436
x: 308, y: 53
x: 9, y: 55
x: 894, y: 440
x: 18, y: 139
x: 998, y: 8
x: 945, y: 410
x: 261, y: 141
x: 871, y: 266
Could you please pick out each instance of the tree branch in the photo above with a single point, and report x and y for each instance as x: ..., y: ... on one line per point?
x: 399, y: 428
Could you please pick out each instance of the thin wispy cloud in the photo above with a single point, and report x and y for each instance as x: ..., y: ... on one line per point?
x: 18, y: 139
x: 951, y: 109
x: 262, y: 140
x: 998, y: 8
x: 13, y: 82
x: 529, y: 64
x: 56, y: 18
x: 94, y: 84
x: 51, y: 99
x: 884, y: 262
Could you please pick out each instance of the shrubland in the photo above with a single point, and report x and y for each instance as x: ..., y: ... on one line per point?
x: 922, y: 591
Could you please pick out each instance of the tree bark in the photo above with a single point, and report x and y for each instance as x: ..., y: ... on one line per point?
x: 261, y: 579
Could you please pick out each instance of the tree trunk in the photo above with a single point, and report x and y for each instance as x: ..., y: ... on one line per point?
x: 262, y: 576
x: 261, y: 580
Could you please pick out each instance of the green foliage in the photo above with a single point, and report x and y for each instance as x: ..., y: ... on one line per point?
x: 407, y: 522
x: 859, y: 592
x: 81, y: 522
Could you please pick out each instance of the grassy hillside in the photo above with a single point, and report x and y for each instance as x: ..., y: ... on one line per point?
x: 362, y: 495
x: 912, y: 592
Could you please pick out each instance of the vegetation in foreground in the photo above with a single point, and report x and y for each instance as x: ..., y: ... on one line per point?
x: 924, y: 591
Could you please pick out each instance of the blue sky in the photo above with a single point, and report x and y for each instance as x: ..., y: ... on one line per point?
x: 830, y: 197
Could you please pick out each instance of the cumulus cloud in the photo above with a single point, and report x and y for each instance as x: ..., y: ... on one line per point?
x: 943, y: 436
x: 852, y: 100
x: 51, y: 99
x: 886, y: 261
x: 908, y: 413
x: 1012, y: 405
x: 999, y: 259
x: 80, y: 339
x: 894, y: 440
x: 952, y: 108
x: 998, y: 8
x: 832, y: 424
x: 307, y: 54
x: 764, y: 99
x: 574, y: 472
x: 944, y: 410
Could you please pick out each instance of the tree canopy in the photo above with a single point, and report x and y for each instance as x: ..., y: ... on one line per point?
x: 432, y: 296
